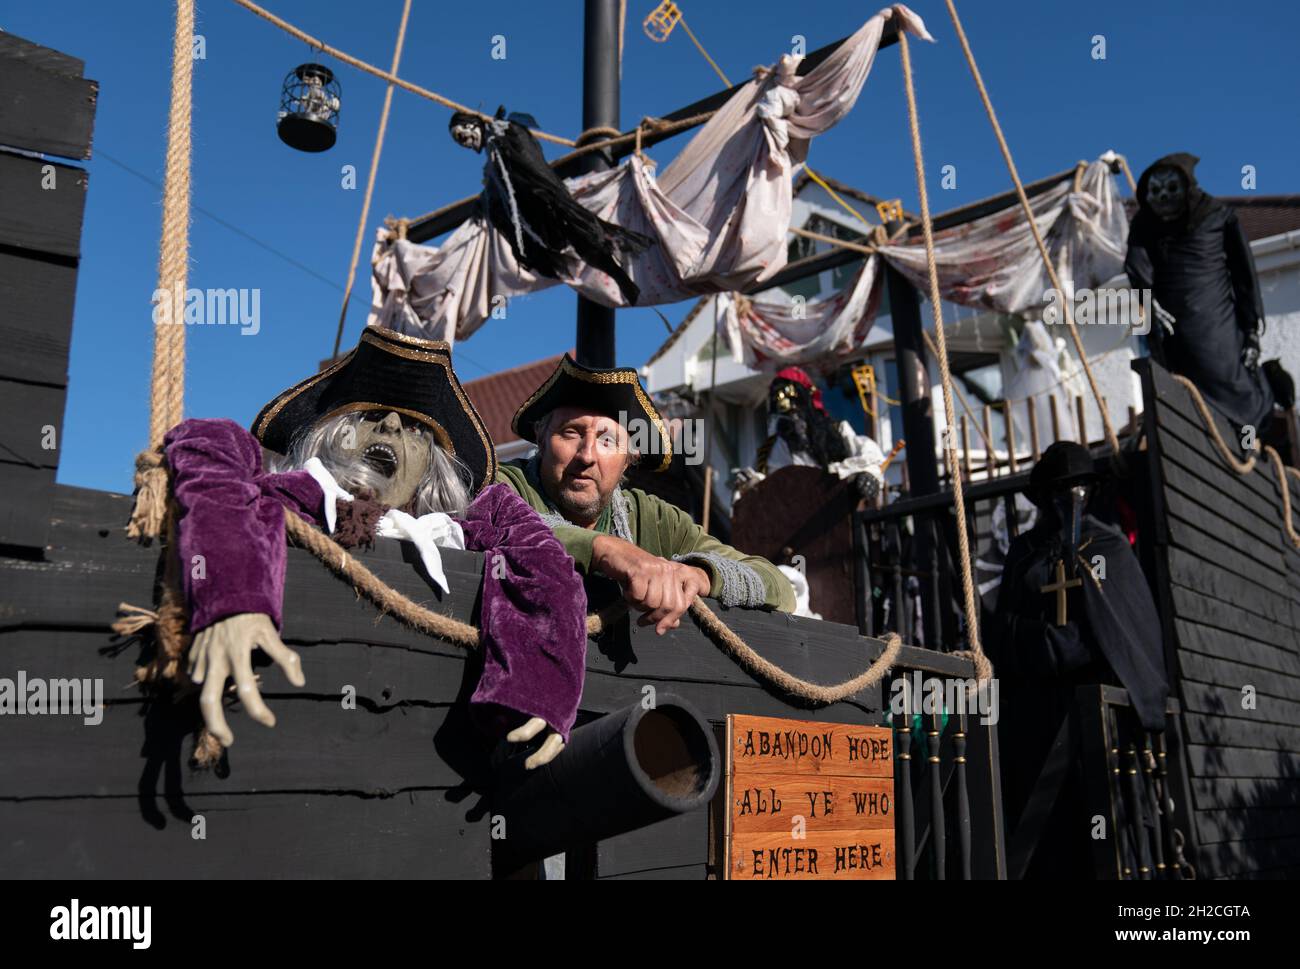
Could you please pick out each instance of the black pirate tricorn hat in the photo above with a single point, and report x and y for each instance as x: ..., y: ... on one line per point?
x: 1063, y: 463
x: 389, y: 372
x: 616, y: 393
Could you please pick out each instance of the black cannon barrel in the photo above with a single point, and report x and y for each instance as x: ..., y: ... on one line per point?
x: 621, y: 772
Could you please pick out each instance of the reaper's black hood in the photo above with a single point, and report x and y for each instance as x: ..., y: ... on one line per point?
x: 1199, y: 202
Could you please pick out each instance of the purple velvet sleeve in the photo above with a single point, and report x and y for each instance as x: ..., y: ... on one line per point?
x: 230, y: 529
x: 533, y: 620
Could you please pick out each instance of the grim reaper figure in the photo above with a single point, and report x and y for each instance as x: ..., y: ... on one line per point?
x: 1188, y: 249
x: 531, y: 206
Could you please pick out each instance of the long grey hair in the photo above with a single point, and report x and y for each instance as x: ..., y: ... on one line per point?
x: 445, y: 486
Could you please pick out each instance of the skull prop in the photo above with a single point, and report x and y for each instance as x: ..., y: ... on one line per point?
x: 1166, y: 193
x: 378, y: 454
x: 467, y: 130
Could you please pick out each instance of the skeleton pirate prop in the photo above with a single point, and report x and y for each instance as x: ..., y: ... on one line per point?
x: 1073, y: 608
x: 1189, y: 250
x: 590, y: 425
x: 385, y: 444
x: 528, y: 203
x: 802, y: 432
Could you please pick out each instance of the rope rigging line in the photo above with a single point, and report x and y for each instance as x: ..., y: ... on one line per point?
x: 700, y: 47
x: 135, y: 620
x: 1111, y: 437
x: 390, y: 601
x: 167, y: 382
x: 370, y: 178
x: 983, y: 667
x: 835, y: 195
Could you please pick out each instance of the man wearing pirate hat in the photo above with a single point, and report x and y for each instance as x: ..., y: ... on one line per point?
x: 1073, y: 608
x: 590, y: 426
x: 386, y: 444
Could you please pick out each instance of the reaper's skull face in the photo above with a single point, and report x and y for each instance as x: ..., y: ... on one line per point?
x: 1166, y: 193
x: 468, y: 136
x: 398, y: 450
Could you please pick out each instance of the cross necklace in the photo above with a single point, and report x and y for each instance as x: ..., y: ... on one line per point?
x: 1059, y: 588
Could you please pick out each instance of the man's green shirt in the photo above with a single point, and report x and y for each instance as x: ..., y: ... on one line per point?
x: 659, y: 528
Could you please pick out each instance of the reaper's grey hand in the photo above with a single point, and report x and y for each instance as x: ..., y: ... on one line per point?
x: 225, y: 649
x: 1164, y: 316
x: 544, y: 754
x: 1250, y: 357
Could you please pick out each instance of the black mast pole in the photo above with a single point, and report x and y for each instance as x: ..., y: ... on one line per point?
x: 912, y: 362
x: 595, y: 333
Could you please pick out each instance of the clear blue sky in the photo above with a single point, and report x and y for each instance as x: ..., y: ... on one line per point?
x: 1212, y: 78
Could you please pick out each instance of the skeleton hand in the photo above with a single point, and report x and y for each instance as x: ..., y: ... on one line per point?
x: 1250, y: 357
x: 744, y: 478
x: 225, y: 649
x: 544, y: 754
x: 1164, y: 316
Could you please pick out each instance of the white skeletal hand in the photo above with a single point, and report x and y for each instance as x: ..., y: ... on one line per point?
x: 544, y: 754
x: 225, y: 649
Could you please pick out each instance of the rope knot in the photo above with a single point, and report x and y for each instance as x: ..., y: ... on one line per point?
x: 150, y: 496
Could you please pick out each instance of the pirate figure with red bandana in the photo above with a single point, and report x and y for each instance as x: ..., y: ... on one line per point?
x: 802, y: 432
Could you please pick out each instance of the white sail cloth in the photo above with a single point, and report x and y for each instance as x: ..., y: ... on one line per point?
x: 994, y: 263
x: 780, y: 330
x: 719, y: 213
x: 1039, y: 376
x: 990, y: 262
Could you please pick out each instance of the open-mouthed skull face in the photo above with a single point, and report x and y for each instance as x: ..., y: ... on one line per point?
x: 398, y: 450
x: 785, y: 397
x: 468, y: 136
x: 1166, y: 193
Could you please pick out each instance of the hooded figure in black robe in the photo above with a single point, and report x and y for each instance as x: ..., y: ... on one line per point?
x: 1110, y: 634
x: 531, y: 206
x: 1189, y: 250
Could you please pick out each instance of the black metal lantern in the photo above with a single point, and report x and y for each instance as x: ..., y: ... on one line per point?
x: 309, y: 108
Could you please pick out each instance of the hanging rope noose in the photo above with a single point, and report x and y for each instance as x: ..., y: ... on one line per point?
x: 1111, y: 438
x: 983, y: 668
x: 370, y: 178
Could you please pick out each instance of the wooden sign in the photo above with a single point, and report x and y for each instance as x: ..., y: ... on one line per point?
x: 808, y: 800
